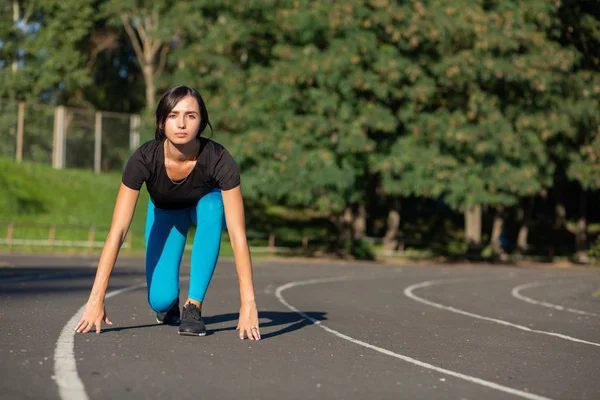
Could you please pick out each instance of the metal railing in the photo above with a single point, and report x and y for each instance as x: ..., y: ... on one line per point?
x: 51, y: 233
x: 51, y: 239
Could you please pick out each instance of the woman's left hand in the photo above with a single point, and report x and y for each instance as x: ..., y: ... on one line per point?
x: 248, y: 322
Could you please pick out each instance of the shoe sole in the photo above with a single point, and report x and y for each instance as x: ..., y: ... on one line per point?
x: 168, y: 323
x: 192, y: 334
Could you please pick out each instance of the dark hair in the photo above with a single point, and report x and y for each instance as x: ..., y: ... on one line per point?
x: 170, y: 99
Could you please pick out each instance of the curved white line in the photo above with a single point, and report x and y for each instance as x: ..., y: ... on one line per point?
x: 472, y: 379
x: 516, y: 293
x: 67, y: 379
x: 409, y: 293
x: 69, y: 384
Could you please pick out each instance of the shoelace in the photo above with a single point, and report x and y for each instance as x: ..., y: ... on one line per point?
x: 193, y: 311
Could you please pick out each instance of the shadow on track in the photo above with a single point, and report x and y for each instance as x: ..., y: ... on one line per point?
x: 289, y: 322
x: 36, y: 280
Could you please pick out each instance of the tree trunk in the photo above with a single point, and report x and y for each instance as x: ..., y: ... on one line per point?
x: 473, y: 227
x: 524, y: 219
x: 359, y: 225
x: 346, y: 224
x: 393, y: 226
x: 145, y: 50
x: 560, y: 213
x: 496, y: 242
x: 581, y: 231
x: 148, y: 71
x: 560, y: 217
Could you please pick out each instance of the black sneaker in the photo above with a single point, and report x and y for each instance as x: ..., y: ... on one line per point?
x: 191, y: 322
x: 171, y: 317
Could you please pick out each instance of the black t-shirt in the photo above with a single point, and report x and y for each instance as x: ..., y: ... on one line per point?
x: 215, y: 168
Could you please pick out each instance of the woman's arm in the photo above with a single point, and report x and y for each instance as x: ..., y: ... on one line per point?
x: 236, y: 226
x: 94, y: 312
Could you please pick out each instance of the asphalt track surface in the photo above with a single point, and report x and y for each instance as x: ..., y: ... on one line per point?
x: 330, y: 331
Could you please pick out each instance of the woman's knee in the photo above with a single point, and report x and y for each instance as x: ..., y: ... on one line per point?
x: 162, y: 301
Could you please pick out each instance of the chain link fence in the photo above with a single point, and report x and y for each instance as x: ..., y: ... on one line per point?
x: 115, y: 145
x: 9, y: 113
x: 66, y: 137
x: 37, y: 133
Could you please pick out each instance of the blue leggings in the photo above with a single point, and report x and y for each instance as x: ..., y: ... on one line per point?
x: 166, y: 233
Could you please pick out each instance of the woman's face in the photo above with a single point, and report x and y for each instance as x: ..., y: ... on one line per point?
x: 183, y: 122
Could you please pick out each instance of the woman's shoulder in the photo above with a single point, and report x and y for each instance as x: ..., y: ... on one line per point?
x: 148, y: 149
x: 214, y: 154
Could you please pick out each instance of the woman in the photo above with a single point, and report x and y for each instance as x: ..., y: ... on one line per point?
x: 191, y: 180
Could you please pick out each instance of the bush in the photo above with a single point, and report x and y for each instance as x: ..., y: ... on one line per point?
x: 594, y: 251
x: 360, y: 249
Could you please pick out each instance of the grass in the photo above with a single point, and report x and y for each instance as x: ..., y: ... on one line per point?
x: 35, y: 197
x: 36, y: 193
x: 596, y: 293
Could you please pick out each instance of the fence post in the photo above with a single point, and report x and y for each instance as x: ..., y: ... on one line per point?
x: 91, y: 234
x: 134, y: 135
x: 51, y: 235
x: 9, y: 234
x: 58, y: 148
x: 128, y: 240
x: 271, y: 243
x: 20, y: 128
x: 98, y: 142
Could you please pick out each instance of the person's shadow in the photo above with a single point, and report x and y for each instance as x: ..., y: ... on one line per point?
x: 289, y: 322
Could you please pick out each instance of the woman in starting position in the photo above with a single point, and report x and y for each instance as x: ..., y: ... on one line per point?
x: 191, y: 181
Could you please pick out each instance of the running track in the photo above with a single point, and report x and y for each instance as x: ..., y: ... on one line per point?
x: 330, y: 331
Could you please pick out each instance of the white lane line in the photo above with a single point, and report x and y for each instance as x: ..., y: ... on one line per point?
x: 472, y: 379
x: 67, y: 379
x: 409, y: 293
x: 516, y: 293
x: 69, y: 384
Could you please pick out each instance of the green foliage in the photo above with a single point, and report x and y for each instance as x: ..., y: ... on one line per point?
x: 162, y: 20
x: 580, y: 149
x: 594, y: 250
x: 478, y: 103
x: 302, y: 108
x: 8, y: 128
x: 360, y: 249
x: 152, y: 29
x: 39, y: 52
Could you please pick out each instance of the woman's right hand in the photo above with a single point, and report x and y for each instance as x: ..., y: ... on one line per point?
x: 93, y: 315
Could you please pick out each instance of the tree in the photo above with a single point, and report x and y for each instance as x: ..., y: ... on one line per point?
x: 153, y: 28
x: 479, y: 108
x: 299, y: 85
x: 578, y: 150
x: 39, y: 55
